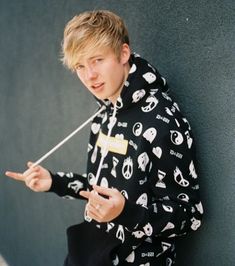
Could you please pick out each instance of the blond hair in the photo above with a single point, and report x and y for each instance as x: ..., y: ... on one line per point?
x: 92, y: 30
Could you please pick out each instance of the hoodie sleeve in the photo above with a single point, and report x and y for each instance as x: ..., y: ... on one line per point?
x: 68, y: 185
x: 175, y: 207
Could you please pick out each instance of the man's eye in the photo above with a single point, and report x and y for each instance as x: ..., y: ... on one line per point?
x: 99, y: 60
x: 79, y: 67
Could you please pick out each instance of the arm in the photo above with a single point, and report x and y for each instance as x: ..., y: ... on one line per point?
x: 176, y: 207
x: 68, y: 185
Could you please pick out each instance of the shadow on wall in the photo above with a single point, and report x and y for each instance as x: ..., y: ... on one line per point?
x: 2, y: 261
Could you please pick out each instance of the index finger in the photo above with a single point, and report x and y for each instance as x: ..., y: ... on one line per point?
x: 85, y: 194
x: 104, y: 190
x: 93, y: 196
x: 17, y: 176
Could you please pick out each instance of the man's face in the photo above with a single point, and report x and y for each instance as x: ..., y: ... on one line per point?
x: 103, y: 73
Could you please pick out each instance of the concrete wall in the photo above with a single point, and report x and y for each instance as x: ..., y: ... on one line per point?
x: 192, y: 43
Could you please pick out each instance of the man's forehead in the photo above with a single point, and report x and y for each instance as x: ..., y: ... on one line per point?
x: 91, y: 52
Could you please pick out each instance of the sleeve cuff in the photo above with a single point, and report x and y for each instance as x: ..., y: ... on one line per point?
x: 57, y: 185
x: 131, y: 216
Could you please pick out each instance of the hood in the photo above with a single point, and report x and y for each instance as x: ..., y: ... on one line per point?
x: 142, y: 78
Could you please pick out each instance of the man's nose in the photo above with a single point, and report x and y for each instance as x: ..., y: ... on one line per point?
x: 91, y: 73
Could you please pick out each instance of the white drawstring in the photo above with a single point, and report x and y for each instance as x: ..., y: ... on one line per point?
x: 67, y: 138
x: 105, y: 148
x: 103, y: 155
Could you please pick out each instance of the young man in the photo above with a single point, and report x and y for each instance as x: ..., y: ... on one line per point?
x: 141, y: 186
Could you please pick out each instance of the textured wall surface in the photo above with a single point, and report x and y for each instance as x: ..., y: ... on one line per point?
x: 192, y: 43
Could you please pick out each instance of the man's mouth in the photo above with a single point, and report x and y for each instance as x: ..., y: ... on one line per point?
x: 97, y: 86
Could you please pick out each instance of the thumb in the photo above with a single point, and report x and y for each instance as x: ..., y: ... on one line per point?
x: 29, y: 164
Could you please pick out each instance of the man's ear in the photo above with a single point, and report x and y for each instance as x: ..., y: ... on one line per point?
x: 125, y: 53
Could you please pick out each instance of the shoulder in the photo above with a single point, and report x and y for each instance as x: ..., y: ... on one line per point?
x: 161, y: 114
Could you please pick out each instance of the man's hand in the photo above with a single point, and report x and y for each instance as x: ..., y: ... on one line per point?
x: 36, y: 178
x: 103, y: 209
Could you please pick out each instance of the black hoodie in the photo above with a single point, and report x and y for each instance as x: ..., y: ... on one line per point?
x: 149, y: 156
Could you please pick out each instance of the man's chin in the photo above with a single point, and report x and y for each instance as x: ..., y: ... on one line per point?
x: 100, y: 97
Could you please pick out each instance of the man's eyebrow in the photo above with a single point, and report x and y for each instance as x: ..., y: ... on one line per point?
x: 94, y: 56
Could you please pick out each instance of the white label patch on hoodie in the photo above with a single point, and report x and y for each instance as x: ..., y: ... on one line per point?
x: 113, y: 144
